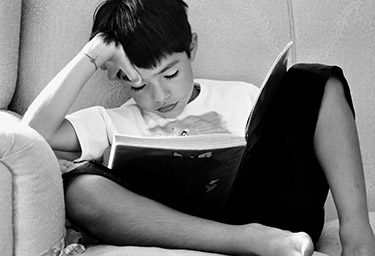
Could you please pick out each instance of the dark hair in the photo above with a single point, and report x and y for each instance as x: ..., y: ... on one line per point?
x: 148, y: 30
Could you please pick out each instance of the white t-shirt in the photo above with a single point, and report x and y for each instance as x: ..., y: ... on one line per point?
x: 220, y: 107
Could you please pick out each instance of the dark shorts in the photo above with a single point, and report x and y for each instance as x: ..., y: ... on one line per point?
x: 281, y: 184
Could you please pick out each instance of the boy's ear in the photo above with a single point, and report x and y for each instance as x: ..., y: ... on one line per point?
x: 193, y: 46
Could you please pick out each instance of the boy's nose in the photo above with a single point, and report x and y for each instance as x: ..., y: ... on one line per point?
x: 161, y: 93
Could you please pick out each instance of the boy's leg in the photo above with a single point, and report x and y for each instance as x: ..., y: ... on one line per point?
x: 282, y: 184
x: 310, y: 138
x: 337, y: 148
x: 118, y: 216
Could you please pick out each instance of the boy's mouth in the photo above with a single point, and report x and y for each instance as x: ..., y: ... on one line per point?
x: 167, y: 108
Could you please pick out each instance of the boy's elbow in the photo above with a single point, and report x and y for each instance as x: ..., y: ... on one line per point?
x: 64, y: 138
x: 35, y: 125
x: 56, y: 136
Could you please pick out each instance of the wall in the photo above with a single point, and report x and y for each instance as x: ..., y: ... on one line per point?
x: 331, y: 32
x: 343, y: 33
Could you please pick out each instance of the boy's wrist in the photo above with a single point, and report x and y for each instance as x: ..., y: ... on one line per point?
x: 94, y: 56
x: 92, y: 59
x: 96, y: 49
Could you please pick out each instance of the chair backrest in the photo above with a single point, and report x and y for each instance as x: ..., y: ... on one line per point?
x: 10, y: 23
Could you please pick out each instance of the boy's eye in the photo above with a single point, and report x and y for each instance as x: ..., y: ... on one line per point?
x: 138, y: 89
x: 173, y: 75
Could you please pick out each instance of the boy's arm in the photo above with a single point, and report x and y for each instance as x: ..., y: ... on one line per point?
x: 47, y: 113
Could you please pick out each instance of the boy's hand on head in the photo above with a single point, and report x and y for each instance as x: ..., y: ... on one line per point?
x: 111, y: 57
x: 208, y: 123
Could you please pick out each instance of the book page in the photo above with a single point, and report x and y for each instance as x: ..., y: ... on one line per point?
x: 194, y: 142
x: 268, y: 88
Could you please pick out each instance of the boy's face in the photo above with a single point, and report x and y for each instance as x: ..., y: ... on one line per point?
x: 168, y: 88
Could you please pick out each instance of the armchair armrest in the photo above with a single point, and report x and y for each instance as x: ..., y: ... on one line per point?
x: 33, y: 202
x: 6, y: 219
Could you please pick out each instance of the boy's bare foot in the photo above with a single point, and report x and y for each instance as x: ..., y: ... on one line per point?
x: 357, y: 241
x: 293, y: 244
x: 274, y: 241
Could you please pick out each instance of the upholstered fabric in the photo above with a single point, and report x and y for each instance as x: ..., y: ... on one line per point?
x: 32, y: 204
x: 6, y: 212
x: 108, y: 250
x: 52, y: 33
x: 10, y: 21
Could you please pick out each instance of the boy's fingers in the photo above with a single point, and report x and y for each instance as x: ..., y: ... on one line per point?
x: 131, y: 73
x: 135, y: 77
x: 129, y: 70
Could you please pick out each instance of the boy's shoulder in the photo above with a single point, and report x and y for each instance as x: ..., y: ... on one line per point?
x: 221, y: 82
x: 227, y: 85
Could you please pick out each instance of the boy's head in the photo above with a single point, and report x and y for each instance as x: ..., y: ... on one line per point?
x: 157, y: 38
x: 148, y: 30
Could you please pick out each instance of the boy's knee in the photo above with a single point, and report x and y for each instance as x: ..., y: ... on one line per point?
x: 83, y: 197
x: 334, y: 88
x: 335, y: 101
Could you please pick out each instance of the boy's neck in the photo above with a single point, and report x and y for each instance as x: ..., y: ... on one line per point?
x: 195, y: 93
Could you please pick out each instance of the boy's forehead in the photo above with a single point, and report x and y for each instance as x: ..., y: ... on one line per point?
x: 164, y: 64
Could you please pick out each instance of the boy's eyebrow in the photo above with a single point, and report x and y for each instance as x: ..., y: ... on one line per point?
x: 171, y: 64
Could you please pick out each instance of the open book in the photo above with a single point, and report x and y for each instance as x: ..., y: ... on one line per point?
x: 193, y: 173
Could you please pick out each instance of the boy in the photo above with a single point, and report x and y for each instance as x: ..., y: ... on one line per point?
x: 148, y: 44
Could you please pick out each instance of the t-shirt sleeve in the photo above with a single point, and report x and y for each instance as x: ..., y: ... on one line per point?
x: 91, y: 129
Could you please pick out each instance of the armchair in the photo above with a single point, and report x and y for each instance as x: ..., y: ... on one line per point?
x: 238, y: 41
